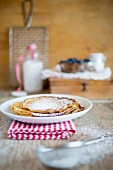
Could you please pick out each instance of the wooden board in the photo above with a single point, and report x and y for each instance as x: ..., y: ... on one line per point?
x: 92, y: 89
x: 19, y: 39
x: 21, y: 154
x: 76, y: 28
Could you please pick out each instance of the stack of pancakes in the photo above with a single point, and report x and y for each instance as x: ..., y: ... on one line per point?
x: 46, y: 106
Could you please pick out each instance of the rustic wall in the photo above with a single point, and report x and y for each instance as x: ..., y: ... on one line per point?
x: 76, y: 28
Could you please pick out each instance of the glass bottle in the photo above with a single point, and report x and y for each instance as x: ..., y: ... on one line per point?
x: 32, y: 70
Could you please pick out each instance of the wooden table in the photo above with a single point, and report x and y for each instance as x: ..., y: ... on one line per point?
x: 20, y: 154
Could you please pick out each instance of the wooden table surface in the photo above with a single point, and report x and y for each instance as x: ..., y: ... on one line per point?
x: 20, y: 154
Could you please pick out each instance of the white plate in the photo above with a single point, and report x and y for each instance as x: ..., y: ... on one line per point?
x: 5, y: 109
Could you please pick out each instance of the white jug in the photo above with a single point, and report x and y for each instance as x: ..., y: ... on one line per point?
x: 96, y: 62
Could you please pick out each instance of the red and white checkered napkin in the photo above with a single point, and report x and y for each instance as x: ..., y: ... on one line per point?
x: 19, y: 130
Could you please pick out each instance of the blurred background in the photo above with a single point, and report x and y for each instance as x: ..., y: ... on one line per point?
x: 76, y: 28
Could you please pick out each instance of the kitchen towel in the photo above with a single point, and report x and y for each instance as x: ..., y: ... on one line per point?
x: 19, y: 130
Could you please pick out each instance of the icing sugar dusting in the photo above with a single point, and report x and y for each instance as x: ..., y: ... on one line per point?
x: 93, y: 131
x: 49, y: 103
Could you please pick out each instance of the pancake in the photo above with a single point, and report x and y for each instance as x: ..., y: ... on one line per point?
x: 49, y: 104
x: 45, y: 106
x: 17, y: 109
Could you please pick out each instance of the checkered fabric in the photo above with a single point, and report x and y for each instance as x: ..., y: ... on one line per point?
x: 19, y: 130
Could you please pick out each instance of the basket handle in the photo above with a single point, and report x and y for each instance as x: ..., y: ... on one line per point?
x: 27, y: 17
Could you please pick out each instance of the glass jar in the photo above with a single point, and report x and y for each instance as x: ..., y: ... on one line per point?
x: 32, y: 71
x: 96, y: 62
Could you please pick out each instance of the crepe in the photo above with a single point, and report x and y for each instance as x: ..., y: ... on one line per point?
x: 49, y: 104
x: 46, y: 106
x: 17, y: 109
